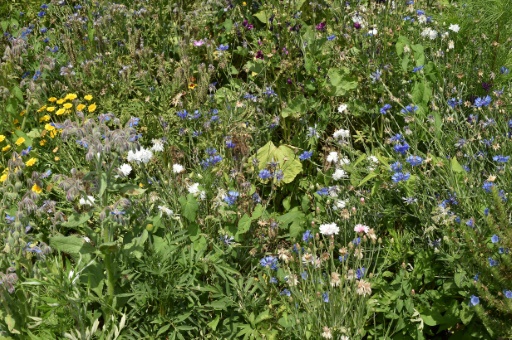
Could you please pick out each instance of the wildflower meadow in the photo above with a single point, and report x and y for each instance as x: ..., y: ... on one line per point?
x: 272, y: 169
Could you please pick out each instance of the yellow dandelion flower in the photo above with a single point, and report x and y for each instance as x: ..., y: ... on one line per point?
x: 2, y: 138
x: 53, y: 133
x: 44, y: 118
x: 92, y: 108
x: 4, y: 176
x: 50, y: 108
x: 80, y: 107
x: 67, y: 106
x: 60, y: 111
x: 52, y: 99
x: 42, y: 142
x: 49, y: 127
x: 70, y: 96
x: 31, y: 161
x: 6, y: 148
x: 61, y: 101
x: 88, y: 97
x: 42, y: 108
x: 37, y: 189
x: 22, y: 113
x: 15, y: 121
x: 20, y: 141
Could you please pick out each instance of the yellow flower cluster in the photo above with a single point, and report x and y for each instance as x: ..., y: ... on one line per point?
x: 66, y: 104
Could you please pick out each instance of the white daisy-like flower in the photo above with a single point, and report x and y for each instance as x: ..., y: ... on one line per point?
x: 342, y: 108
x: 140, y: 156
x: 326, y: 334
x: 193, y: 188
x: 339, y: 204
x: 165, y: 210
x: 454, y: 28
x: 125, y: 169
x: 361, y: 228
x: 332, y: 157
x: 373, y: 159
x: 339, y: 174
x: 341, y: 133
x: 329, y: 229
x: 364, y: 288
x: 344, y: 161
x: 89, y: 200
x: 177, y: 168
x: 373, y: 32
x: 430, y: 33
x: 158, y: 145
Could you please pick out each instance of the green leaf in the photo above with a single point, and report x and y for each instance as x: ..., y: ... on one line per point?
x: 456, y: 167
x: 400, y: 45
x: 213, y: 324
x: 77, y: 219
x: 189, y: 207
x: 289, y: 163
x: 103, y: 183
x: 371, y: 175
x: 340, y: 82
x: 262, y: 16
x: 11, y: 323
x: 16, y: 91
x: 244, y: 225
x: 258, y: 211
x: 295, y: 108
x: 71, y: 245
x: 108, y: 247
x: 432, y: 318
x: 129, y: 189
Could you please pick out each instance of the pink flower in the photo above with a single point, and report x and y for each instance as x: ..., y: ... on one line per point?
x: 361, y: 228
x: 198, y: 42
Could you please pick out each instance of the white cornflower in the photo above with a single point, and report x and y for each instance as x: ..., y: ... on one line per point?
x: 422, y: 19
x: 165, y: 210
x: 342, y: 108
x: 454, y: 28
x: 430, y: 33
x: 125, y: 169
x: 335, y: 279
x: 373, y: 32
x: 326, y: 333
x: 329, y: 229
x: 158, y: 145
x: 344, y: 161
x: 140, y: 156
x: 193, y: 188
x: 451, y: 45
x: 339, y: 204
x: 341, y: 133
x: 339, y: 174
x: 363, y: 288
x: 177, y: 168
x: 86, y: 201
x: 373, y: 159
x: 332, y: 157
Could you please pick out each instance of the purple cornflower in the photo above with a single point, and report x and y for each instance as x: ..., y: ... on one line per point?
x: 321, y: 26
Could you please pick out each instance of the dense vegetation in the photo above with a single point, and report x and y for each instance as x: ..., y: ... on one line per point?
x: 281, y: 169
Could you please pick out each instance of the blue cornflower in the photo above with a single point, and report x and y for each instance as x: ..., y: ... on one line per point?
x: 360, y: 273
x: 307, y: 236
x: 479, y: 102
x: 502, y: 250
x: 470, y: 223
x: 508, y: 294
x: 504, y: 70
x: 182, y: 114
x: 476, y: 277
x: 286, y: 292
x: 420, y: 12
x: 375, y: 76
x: 453, y: 102
x: 55, y: 49
x: 325, y: 297
x: 331, y: 37
x: 9, y: 218
x: 37, y: 74
x: 196, y: 115
x: 214, y: 119
x: 269, y: 262
x: 396, y: 138
x: 414, y: 160
x: 474, y: 300
x: 501, y: 159
x: 279, y: 175
x: 383, y: 110
x: 486, y: 211
x: 230, y: 144
x: 26, y: 151
x: 487, y: 186
x: 211, y: 151
x: 305, y: 155
x: 231, y: 197
x: 264, y: 174
x: 418, y: 68
x: 273, y: 280
x: 457, y: 220
x: 400, y: 176
x: 269, y: 92
x: 117, y: 212
x: 223, y: 47
x: 396, y: 167
x: 323, y: 192
x: 356, y: 241
x: 342, y: 258
x: 401, y: 148
x: 492, y: 262
x: 134, y: 121
x: 409, y: 109
x: 41, y: 14
x: 304, y: 275
x: 495, y: 238
x: 227, y: 240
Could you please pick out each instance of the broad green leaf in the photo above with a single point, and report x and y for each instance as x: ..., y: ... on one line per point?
x: 77, y: 219
x: 108, y: 247
x: 213, y: 324
x: 295, y: 108
x: 244, y: 224
x: 189, y: 207
x: 11, y: 323
x: 71, y: 245
x: 262, y: 16
x: 16, y: 91
x: 341, y: 82
x: 284, y: 155
x: 103, y: 184
x: 130, y: 189
x: 368, y: 177
x: 456, y: 167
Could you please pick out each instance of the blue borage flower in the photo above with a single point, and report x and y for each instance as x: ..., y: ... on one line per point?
x: 495, y: 238
x: 508, y: 294
x: 474, y: 300
x: 223, y: 48
x: 492, y: 262
x: 418, y: 68
x: 264, y: 174
x: 305, y: 155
